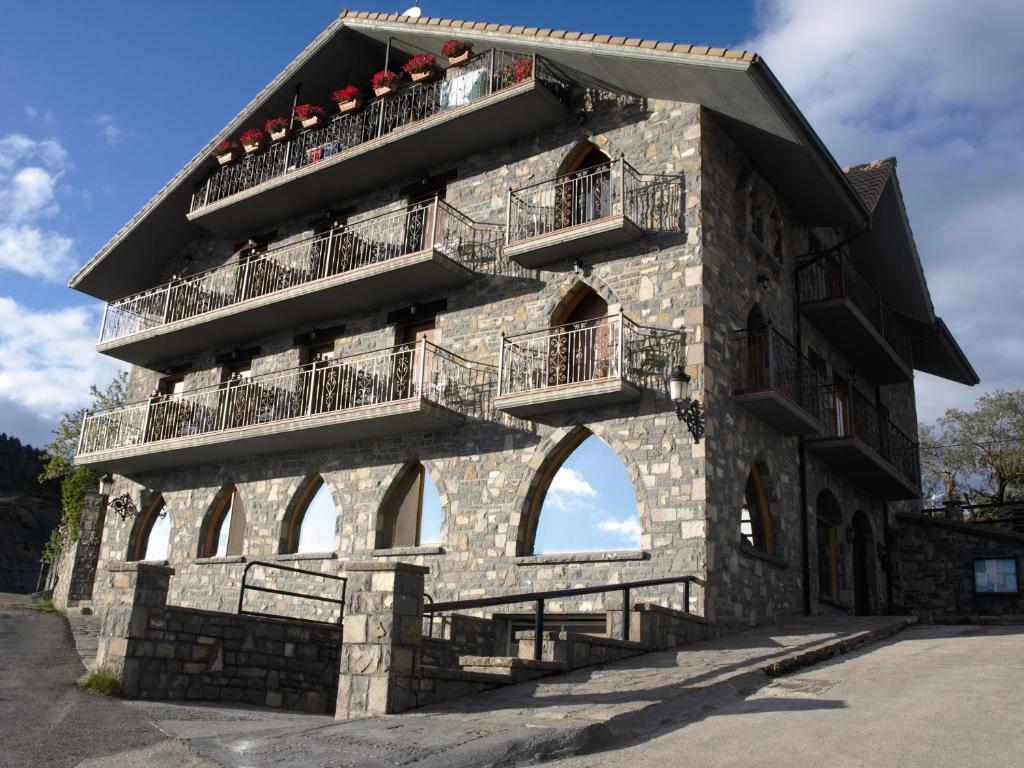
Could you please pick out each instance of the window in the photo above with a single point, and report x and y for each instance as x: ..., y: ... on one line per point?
x: 152, y: 535
x: 755, y: 211
x: 171, y: 387
x: 223, y: 533
x: 829, y: 519
x: 776, y: 244
x: 996, y: 576
x: 755, y: 530
x: 310, y: 526
x: 411, y: 514
x: 583, y: 501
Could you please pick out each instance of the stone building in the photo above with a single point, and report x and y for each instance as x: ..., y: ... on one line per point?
x: 457, y: 283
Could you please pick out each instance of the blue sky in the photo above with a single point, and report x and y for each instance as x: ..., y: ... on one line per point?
x: 100, y: 103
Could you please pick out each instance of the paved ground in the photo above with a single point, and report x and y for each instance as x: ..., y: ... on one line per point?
x: 932, y: 697
x: 560, y: 715
x: 44, y: 719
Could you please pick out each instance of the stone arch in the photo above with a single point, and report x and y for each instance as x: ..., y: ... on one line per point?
x: 828, y: 524
x: 400, y: 514
x: 756, y: 319
x: 227, y: 507
x: 582, y: 153
x: 295, y: 513
x: 154, y: 510
x: 570, y: 292
x: 549, y: 457
x: 756, y: 521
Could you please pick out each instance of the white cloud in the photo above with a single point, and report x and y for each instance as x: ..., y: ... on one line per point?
x: 47, y: 358
x: 108, y: 129
x: 628, y: 530
x: 936, y: 83
x: 569, y: 481
x: 30, y: 172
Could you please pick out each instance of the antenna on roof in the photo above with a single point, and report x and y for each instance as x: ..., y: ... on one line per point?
x: 414, y: 12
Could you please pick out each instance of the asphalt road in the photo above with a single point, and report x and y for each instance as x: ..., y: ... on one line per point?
x: 45, y: 720
x: 932, y: 697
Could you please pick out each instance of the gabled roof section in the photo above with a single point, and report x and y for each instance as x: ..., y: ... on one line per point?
x: 734, y: 85
x: 869, y: 179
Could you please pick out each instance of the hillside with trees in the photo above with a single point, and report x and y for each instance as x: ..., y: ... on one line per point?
x: 29, y: 510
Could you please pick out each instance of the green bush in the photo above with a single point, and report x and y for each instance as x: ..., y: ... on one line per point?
x: 101, y: 680
x: 43, y: 602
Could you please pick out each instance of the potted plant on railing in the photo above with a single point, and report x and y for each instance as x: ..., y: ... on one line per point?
x: 349, y: 98
x: 385, y: 82
x: 310, y: 115
x: 226, y: 151
x: 277, y: 127
x: 457, y: 51
x: 420, y: 67
x: 252, y: 140
x: 517, y: 71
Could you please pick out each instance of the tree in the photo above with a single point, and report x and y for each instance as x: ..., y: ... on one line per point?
x: 977, y: 455
x: 60, y: 458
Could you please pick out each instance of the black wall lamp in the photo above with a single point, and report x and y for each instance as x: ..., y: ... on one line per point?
x: 688, y: 409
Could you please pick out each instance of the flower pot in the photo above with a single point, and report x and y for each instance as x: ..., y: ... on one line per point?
x: 419, y: 77
x: 226, y: 158
x: 385, y: 91
x: 279, y: 135
x: 462, y: 58
x: 349, y: 106
x: 250, y: 148
x: 311, y: 122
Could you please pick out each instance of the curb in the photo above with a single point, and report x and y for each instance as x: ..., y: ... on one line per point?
x: 836, y: 648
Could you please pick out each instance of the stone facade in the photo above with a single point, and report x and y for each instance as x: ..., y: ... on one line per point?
x: 76, y: 566
x: 935, y: 570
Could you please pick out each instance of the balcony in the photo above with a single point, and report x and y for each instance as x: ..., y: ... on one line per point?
x: 839, y: 300
x: 569, y: 367
x: 469, y: 108
x: 864, y: 444
x: 395, y: 256
x: 397, y: 391
x: 590, y: 210
x: 775, y: 383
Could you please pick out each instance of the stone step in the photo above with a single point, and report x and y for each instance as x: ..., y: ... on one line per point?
x: 576, y: 650
x: 512, y: 668
x: 464, y: 675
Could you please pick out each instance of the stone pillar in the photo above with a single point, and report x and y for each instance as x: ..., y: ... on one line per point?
x: 135, y: 590
x: 381, y: 634
x: 76, y: 571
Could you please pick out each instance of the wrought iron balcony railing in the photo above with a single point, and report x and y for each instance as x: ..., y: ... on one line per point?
x: 486, y: 73
x: 851, y: 415
x: 652, y: 202
x: 836, y: 277
x: 765, y: 359
x: 576, y: 353
x: 423, y: 371
x: 344, y: 249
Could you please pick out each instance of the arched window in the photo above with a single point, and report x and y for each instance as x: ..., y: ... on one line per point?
x: 151, y: 538
x: 583, y: 189
x: 755, y: 524
x: 223, y: 533
x: 757, y: 372
x: 829, y: 520
x: 755, y: 213
x: 411, y: 513
x: 776, y: 244
x: 310, y: 523
x: 583, y: 501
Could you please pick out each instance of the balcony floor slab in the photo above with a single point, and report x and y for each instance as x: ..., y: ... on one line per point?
x: 306, y: 433
x: 608, y: 232
x: 778, y: 410
x: 408, y: 277
x: 853, y: 458
x: 565, y: 397
x: 848, y: 328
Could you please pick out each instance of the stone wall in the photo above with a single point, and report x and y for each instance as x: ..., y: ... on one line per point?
x: 76, y: 566
x: 935, y: 569
x: 485, y: 470
x: 169, y: 652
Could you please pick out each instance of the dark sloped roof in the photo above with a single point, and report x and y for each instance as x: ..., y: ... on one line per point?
x: 869, y: 179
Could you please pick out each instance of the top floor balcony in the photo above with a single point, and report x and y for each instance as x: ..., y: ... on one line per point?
x: 862, y: 442
x: 776, y: 383
x: 594, y: 208
x: 404, y: 254
x: 493, y: 98
x: 837, y: 298
x: 400, y: 390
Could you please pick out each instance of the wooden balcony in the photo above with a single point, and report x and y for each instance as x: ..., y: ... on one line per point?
x: 401, y: 255
x: 398, y: 391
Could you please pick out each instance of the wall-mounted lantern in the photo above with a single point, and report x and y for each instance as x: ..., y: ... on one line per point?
x: 688, y: 409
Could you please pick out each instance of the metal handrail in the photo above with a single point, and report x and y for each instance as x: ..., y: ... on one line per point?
x: 765, y: 359
x: 289, y: 593
x: 539, y: 598
x: 379, y: 116
x: 347, y: 248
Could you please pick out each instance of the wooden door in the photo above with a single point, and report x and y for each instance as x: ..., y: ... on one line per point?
x: 583, y: 192
x: 581, y: 347
x: 405, y: 371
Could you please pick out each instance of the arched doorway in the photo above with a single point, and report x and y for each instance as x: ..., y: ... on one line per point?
x: 757, y: 350
x: 862, y: 580
x: 580, y: 346
x: 583, y: 188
